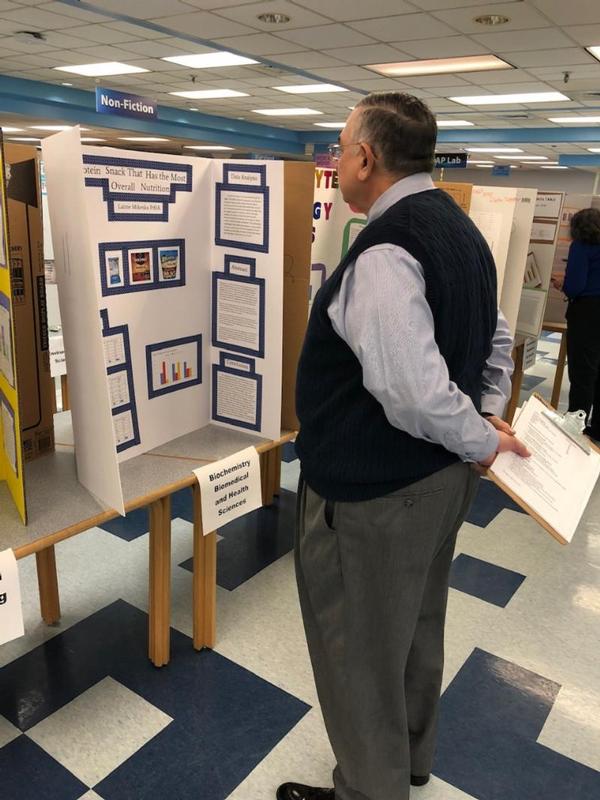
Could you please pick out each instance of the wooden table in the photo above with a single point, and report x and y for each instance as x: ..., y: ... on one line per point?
x: 518, y: 356
x: 59, y: 507
x: 558, y: 327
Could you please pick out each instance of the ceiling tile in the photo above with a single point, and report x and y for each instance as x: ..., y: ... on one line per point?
x: 543, y: 58
x: 538, y: 39
x: 136, y: 31
x: 247, y: 14
x: 258, y: 44
x: 404, y: 27
x: 582, y: 12
x: 144, y: 9
x: 40, y: 18
x: 520, y: 15
x: 435, y: 5
x: 308, y: 59
x: 104, y: 52
x: 587, y: 35
x: 448, y: 47
x: 159, y: 50
x: 79, y: 14
x: 6, y: 5
x: 326, y: 37
x: 204, y: 25
x: 343, y: 11
x: 369, y: 54
x: 101, y: 34
x: 384, y: 84
x: 345, y: 74
x: 501, y: 76
x: 435, y: 82
x: 14, y: 44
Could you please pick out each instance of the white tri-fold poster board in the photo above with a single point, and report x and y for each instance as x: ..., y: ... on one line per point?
x: 170, y: 282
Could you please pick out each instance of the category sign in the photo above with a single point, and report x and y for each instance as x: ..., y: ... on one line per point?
x: 123, y: 104
x: 450, y: 160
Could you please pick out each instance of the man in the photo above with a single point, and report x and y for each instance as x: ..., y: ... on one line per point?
x: 405, y: 355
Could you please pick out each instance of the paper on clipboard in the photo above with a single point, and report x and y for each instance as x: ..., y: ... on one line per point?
x: 555, y: 484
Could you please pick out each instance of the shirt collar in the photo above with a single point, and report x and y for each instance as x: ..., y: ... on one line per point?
x: 420, y: 182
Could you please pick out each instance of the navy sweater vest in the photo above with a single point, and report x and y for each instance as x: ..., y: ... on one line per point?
x: 347, y: 448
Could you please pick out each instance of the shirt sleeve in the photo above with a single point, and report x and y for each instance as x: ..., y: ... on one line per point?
x: 576, y: 274
x: 497, y: 387
x: 382, y: 314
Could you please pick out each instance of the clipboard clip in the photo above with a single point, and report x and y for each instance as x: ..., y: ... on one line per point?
x: 572, y: 424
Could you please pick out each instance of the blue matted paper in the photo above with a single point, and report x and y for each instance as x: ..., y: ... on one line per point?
x: 5, y: 303
x: 260, y: 189
x: 112, y: 196
x: 127, y: 367
x: 227, y: 366
x: 180, y: 384
x: 249, y: 265
x: 123, y: 249
x: 4, y: 402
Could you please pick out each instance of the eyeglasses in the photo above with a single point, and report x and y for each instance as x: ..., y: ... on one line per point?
x: 336, y: 150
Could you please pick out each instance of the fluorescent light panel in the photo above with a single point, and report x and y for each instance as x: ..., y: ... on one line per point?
x: 506, y: 99
x: 593, y: 149
x: 336, y: 125
x: 454, y: 123
x: 91, y: 139
x: 574, y: 119
x: 221, y: 58
x: 55, y: 128
x: 594, y: 51
x: 210, y: 94
x: 494, y: 150
x: 476, y: 161
x: 9, y: 129
x: 143, y: 139
x: 310, y: 88
x: 437, y: 66
x: 207, y: 147
x: 24, y: 138
x: 286, y: 112
x: 551, y: 166
x: 525, y: 158
x: 102, y: 69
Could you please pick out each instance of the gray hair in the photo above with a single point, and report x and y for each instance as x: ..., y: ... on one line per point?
x: 401, y: 130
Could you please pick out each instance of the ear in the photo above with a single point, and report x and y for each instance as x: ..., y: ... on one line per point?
x: 368, y: 162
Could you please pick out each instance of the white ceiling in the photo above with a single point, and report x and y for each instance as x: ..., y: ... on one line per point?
x: 331, y: 39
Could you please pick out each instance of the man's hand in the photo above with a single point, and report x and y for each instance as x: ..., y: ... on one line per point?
x: 507, y: 443
x: 557, y: 280
x: 500, y: 425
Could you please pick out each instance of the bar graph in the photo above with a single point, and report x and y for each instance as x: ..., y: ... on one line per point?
x: 173, y: 365
x: 178, y: 371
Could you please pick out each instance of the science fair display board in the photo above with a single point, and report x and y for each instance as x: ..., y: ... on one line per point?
x: 11, y: 449
x: 170, y: 277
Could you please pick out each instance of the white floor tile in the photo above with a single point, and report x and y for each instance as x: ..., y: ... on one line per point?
x: 8, y: 732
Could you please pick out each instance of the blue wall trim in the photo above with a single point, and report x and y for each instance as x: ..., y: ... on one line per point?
x: 593, y: 160
x: 487, y: 135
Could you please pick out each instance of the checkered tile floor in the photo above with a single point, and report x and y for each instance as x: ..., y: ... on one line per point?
x: 84, y: 715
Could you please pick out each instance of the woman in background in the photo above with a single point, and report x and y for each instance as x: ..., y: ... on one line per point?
x: 582, y: 288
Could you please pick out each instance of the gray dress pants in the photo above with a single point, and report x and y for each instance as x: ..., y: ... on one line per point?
x: 373, y: 584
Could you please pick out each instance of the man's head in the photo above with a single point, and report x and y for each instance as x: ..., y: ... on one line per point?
x: 387, y: 137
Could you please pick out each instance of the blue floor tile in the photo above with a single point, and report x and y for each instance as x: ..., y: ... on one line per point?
x: 28, y: 773
x: 288, y: 452
x: 530, y: 382
x: 491, y: 715
x: 486, y: 581
x: 252, y: 542
x: 488, y: 503
x: 135, y: 523
x: 226, y: 719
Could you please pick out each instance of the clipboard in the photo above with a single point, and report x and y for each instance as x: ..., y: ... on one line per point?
x: 521, y: 502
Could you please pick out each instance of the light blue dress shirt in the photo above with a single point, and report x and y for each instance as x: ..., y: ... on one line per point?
x: 382, y: 313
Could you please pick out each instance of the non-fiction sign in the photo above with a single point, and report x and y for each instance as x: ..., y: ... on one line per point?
x: 501, y: 170
x: 11, y: 610
x: 450, y: 160
x: 229, y: 488
x: 123, y: 104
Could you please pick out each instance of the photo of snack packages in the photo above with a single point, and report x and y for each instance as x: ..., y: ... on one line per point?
x: 169, y: 264
x: 141, y: 266
x: 115, y: 277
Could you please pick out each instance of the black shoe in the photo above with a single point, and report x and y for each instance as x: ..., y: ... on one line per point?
x: 297, y: 791
x: 419, y: 780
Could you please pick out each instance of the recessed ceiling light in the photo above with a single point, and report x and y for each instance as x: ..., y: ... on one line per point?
x: 525, y: 158
x: 574, y: 119
x: 220, y: 58
x: 503, y: 99
x: 484, y: 166
x: 103, y: 69
x: 437, y: 66
x: 143, y: 139
x: 494, y: 150
x: 594, y: 51
x: 24, y: 138
x: 210, y: 94
x: 454, y: 123
x: 55, y: 128
x: 274, y: 19
x: 551, y: 166
x: 337, y: 125
x: 310, y: 88
x: 8, y: 129
x: 91, y: 139
x: 66, y: 84
x: 491, y: 19
x: 286, y: 112
x: 207, y: 147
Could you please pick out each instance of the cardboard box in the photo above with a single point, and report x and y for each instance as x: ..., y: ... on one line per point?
x: 25, y: 231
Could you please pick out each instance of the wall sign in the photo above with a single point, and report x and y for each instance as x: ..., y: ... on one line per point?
x: 123, y: 104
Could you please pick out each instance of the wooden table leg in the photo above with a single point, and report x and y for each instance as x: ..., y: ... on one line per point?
x: 204, y: 580
x: 517, y: 380
x: 64, y: 390
x: 560, y: 369
x: 48, y: 585
x: 159, y: 601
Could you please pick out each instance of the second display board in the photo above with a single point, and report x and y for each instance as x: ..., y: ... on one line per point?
x: 170, y: 281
